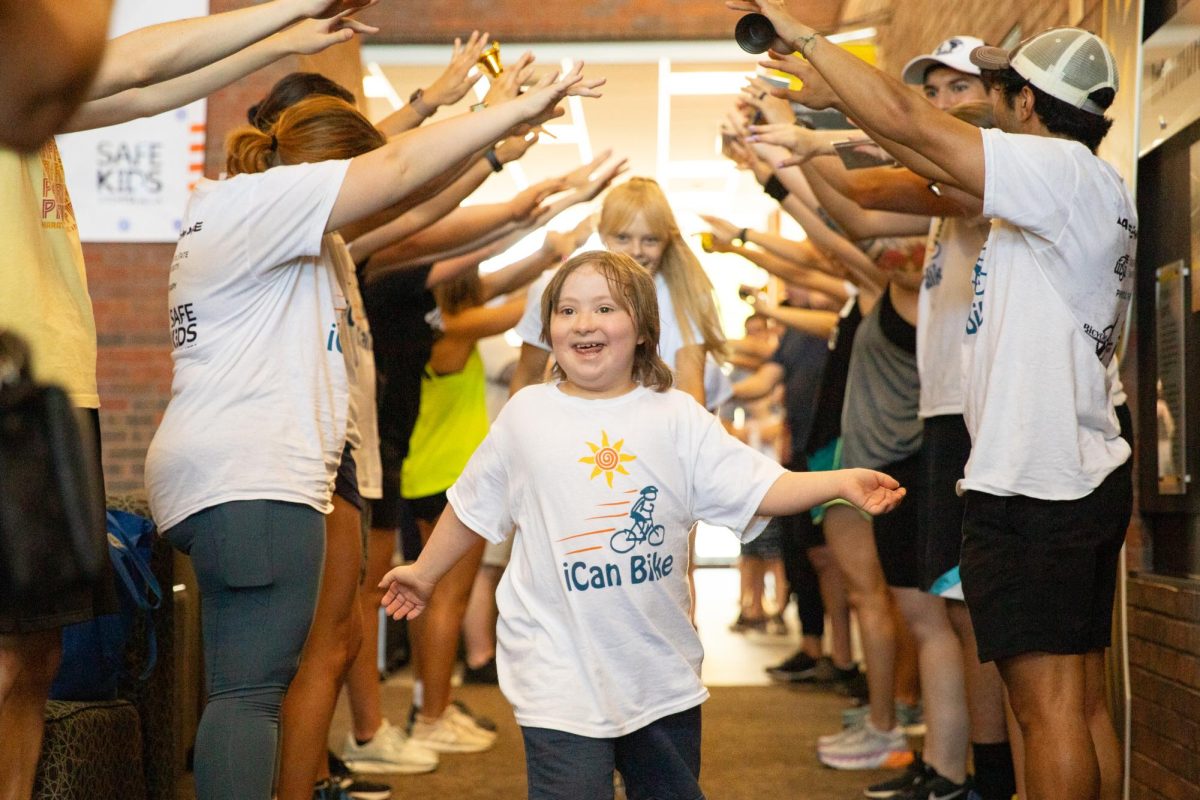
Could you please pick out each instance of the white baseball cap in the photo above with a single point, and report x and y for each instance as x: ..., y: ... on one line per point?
x: 954, y: 53
x: 1066, y: 63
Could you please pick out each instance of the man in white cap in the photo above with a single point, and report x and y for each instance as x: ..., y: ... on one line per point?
x: 1048, y: 483
x: 946, y: 76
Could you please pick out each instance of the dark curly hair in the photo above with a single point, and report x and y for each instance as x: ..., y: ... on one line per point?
x: 1059, y: 117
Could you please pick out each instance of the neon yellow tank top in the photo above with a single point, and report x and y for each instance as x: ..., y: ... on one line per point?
x: 451, y: 423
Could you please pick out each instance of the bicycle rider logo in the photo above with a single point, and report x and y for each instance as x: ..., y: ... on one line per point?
x: 641, y: 527
x: 637, y: 526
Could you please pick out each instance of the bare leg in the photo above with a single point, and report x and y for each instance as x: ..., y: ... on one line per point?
x: 1016, y: 740
x: 438, y: 635
x: 752, y: 604
x: 907, y: 684
x: 28, y: 663
x: 332, y: 643
x: 1048, y: 693
x: 479, y: 623
x: 851, y: 540
x: 362, y: 682
x: 941, y: 673
x: 837, y: 606
x: 775, y: 567
x: 1104, y: 737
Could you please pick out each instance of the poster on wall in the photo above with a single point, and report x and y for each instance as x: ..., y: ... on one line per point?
x: 130, y: 182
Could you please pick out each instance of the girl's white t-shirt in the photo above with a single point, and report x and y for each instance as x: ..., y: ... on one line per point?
x: 944, y: 300
x: 717, y: 387
x: 1050, y: 293
x: 594, y: 636
x: 259, y: 394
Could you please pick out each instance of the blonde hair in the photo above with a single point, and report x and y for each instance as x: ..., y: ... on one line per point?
x: 633, y: 289
x: 692, y: 293
x: 318, y: 128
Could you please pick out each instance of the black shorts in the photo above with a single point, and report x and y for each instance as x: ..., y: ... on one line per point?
x: 345, y: 485
x: 945, y: 450
x: 896, y: 532
x: 57, y: 609
x: 429, y: 508
x: 391, y: 512
x: 1040, y: 575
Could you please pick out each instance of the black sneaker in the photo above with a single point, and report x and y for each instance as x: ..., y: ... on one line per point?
x: 342, y: 783
x: 485, y: 674
x: 850, y: 682
x: 932, y: 785
x: 913, y: 775
x: 799, y: 668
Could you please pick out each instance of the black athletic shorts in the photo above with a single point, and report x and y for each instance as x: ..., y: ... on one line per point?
x: 944, y: 452
x: 391, y: 512
x: 1040, y: 575
x: 896, y: 532
x: 345, y: 485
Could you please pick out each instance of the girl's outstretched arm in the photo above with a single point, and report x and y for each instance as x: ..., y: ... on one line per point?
x: 407, y: 589
x: 795, y: 492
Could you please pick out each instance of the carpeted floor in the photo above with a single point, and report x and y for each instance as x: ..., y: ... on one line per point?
x: 758, y: 745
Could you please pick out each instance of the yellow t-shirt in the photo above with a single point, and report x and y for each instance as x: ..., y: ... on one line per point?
x: 43, y: 286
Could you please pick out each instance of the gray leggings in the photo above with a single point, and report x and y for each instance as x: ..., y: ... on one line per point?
x: 258, y: 563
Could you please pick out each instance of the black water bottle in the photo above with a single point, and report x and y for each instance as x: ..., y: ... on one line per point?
x: 754, y: 33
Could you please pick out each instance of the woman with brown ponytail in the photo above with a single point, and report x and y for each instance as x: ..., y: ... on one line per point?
x: 241, y: 470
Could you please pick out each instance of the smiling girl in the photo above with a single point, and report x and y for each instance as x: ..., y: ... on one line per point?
x: 596, y: 650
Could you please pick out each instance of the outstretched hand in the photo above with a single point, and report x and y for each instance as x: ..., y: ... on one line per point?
x: 507, y: 84
x: 815, y: 93
x: 311, y: 36
x: 323, y: 9
x: 543, y: 97
x: 456, y: 80
x: 405, y: 593
x: 873, y: 492
x: 593, y: 185
x: 787, y: 28
x: 760, y: 94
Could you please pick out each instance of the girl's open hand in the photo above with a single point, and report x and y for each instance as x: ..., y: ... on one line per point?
x: 873, y: 492
x: 311, y: 36
x: 405, y: 593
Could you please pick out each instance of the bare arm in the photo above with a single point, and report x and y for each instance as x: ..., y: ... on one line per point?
x: 796, y: 492
x: 760, y: 384
x: 383, y: 177
x: 951, y: 148
x: 51, y: 52
x: 480, y: 322
x: 860, y: 222
x: 862, y: 269
x: 450, y: 87
x: 308, y: 37
x: 689, y: 371
x: 408, y: 588
x: 531, y: 367
x: 161, y: 52
x: 814, y: 322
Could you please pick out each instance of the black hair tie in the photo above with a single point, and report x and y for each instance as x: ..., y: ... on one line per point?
x: 274, y: 143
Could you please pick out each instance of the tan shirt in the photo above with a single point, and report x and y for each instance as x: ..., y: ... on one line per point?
x: 43, y: 286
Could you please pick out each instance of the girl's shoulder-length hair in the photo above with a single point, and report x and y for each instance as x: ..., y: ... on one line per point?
x: 633, y: 288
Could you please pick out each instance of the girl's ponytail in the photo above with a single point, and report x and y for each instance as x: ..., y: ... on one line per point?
x: 249, y: 150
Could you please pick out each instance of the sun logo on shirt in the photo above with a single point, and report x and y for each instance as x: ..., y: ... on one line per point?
x: 607, y: 458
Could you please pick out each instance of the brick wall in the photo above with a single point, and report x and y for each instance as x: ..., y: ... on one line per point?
x: 439, y: 21
x: 128, y: 284
x: 1164, y: 653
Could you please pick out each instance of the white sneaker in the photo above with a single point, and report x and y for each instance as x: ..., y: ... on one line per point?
x: 469, y: 722
x: 868, y: 748
x: 389, y: 751
x: 451, y: 733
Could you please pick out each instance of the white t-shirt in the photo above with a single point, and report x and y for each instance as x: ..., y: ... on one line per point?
x: 717, y: 387
x: 945, y: 299
x: 594, y: 636
x: 354, y: 340
x: 259, y: 394
x: 1052, y: 286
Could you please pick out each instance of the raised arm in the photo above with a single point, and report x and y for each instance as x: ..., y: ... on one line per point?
x: 881, y: 103
x: 383, y: 177
x: 306, y: 38
x: 481, y: 322
x: 161, y: 52
x: 450, y: 87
